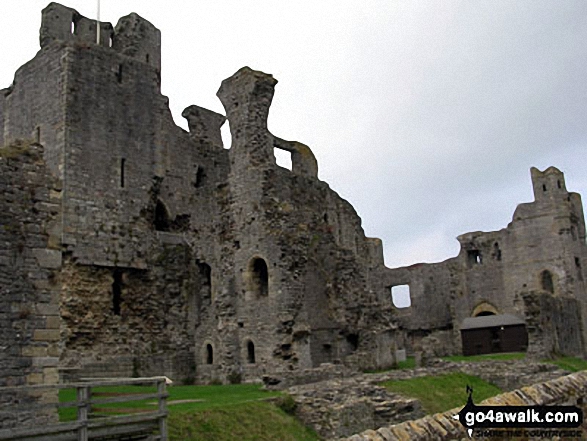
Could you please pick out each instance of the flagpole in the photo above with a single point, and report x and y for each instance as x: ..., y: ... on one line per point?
x: 98, y: 25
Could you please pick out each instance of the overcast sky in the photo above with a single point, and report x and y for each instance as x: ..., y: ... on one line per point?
x: 425, y: 115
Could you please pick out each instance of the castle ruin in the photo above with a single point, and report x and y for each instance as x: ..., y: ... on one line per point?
x: 133, y: 247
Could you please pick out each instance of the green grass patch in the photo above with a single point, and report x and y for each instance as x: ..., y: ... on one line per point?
x: 193, y: 397
x: 226, y: 412
x: 409, y: 363
x: 572, y: 364
x: 246, y: 422
x: 487, y: 357
x: 443, y: 392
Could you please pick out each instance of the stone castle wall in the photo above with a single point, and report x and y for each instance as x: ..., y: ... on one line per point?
x: 542, y: 251
x: 181, y: 257
x: 29, y: 294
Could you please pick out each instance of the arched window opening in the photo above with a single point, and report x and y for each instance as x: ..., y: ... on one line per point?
x: 209, y: 354
x: 485, y: 313
x: 250, y: 352
x: 546, y: 281
x: 543, y: 187
x: 161, y: 221
x: 259, y: 277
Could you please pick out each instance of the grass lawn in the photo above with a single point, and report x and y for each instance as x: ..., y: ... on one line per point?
x: 244, y: 422
x: 443, y: 392
x: 572, y: 364
x: 207, y: 412
x: 486, y: 357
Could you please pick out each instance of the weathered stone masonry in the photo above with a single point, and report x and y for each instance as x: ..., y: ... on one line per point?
x: 178, y: 256
x: 29, y: 291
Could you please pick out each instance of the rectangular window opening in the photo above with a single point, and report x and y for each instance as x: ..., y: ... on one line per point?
x: 400, y: 296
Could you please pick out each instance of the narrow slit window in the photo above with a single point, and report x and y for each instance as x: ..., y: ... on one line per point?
x: 547, y: 282
x: 119, y: 73
x: 116, y: 292
x: 209, y: 354
x: 122, y: 165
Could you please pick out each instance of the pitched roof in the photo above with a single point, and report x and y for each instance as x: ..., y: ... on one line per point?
x: 491, y: 321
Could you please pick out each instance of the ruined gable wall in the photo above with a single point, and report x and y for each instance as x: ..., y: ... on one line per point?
x: 318, y: 259
x: 29, y: 295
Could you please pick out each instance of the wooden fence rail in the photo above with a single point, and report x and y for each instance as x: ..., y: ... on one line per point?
x: 90, y: 424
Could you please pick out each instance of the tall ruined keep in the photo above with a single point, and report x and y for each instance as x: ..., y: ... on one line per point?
x: 168, y: 253
x: 132, y: 247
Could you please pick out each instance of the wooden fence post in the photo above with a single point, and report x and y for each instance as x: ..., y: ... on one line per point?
x: 162, y: 391
x: 83, y: 398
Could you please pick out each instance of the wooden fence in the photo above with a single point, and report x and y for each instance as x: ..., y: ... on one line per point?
x: 90, y: 422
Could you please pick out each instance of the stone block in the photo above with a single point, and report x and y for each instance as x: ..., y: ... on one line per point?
x: 46, y: 335
x: 48, y: 258
x: 34, y: 378
x: 45, y: 362
x: 51, y: 375
x: 47, y: 309
x: 53, y: 322
x: 34, y: 351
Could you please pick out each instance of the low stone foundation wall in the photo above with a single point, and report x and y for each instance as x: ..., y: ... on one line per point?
x: 342, y: 407
x: 567, y: 390
x: 346, y: 404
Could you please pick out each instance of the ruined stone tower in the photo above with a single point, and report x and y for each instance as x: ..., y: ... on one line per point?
x: 171, y: 253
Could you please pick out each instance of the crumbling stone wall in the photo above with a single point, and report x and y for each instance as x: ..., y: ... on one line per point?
x: 541, y: 251
x: 29, y: 295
